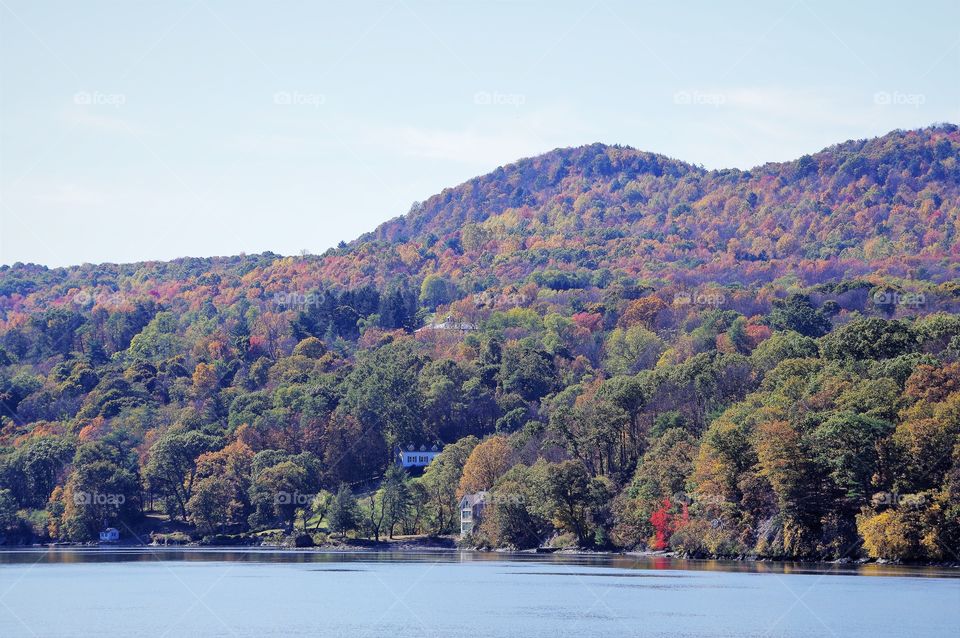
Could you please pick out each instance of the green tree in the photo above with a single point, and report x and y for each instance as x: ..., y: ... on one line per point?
x: 320, y: 507
x: 102, y: 489
x: 8, y: 510
x: 279, y: 492
x: 570, y: 495
x: 846, y: 445
x: 442, y: 478
x: 41, y: 461
x: 171, y: 469
x: 527, y: 371
x: 210, y: 504
x: 435, y: 291
x: 373, y: 512
x: 870, y: 338
x: 798, y: 314
x: 344, y: 513
x: 396, y: 498
x: 382, y: 393
x: 633, y: 349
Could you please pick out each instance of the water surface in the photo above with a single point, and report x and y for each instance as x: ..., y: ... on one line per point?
x: 140, y: 592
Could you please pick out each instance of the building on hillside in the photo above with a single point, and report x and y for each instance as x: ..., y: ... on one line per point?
x: 109, y: 535
x: 413, y: 457
x: 471, y: 512
x: 449, y: 323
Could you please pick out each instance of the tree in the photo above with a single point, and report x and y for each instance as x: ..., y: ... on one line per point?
x: 632, y: 349
x: 664, y: 468
x: 374, y: 512
x: 925, y: 440
x: 569, y: 486
x: 225, y: 475
x: 171, y: 469
x: 382, y: 393
x: 351, y: 451
x: 435, y: 291
x: 209, y: 505
x: 662, y: 522
x: 158, y: 341
x: 320, y: 507
x: 279, y: 492
x: 396, y: 498
x: 798, y: 314
x: 311, y: 347
x: 398, y: 309
x: 790, y: 473
x: 441, y: 481
x: 892, y: 534
x: 8, y: 510
x: 102, y: 489
x: 205, y: 380
x: 518, y: 511
x: 344, y: 513
x: 527, y: 371
x: 643, y: 311
x: 846, y: 445
x: 593, y: 428
x: 444, y: 402
x: 39, y: 463
x: 870, y: 338
x: 415, y: 522
x: 487, y: 462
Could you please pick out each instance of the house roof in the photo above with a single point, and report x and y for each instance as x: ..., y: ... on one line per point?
x: 473, y: 499
x: 423, y: 448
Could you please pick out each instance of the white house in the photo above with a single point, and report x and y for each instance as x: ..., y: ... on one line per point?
x: 109, y: 535
x: 412, y: 457
x: 471, y: 511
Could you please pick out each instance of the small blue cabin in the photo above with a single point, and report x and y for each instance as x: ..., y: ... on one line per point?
x: 109, y: 535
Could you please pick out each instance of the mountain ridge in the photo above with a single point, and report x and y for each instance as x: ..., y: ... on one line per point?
x: 850, y: 145
x: 847, y: 146
x: 886, y: 205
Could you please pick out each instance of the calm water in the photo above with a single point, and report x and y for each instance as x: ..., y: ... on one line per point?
x: 110, y: 592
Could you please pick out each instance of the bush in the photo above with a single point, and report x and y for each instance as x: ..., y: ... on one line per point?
x: 567, y: 540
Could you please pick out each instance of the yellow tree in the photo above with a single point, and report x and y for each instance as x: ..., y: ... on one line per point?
x: 204, y: 380
x: 643, y: 311
x: 488, y: 462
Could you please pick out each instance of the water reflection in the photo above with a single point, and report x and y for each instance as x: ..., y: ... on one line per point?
x: 619, y: 561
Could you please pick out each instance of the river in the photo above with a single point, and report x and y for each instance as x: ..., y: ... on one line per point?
x: 204, y: 593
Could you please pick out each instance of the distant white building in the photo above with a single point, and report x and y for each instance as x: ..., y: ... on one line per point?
x: 412, y: 457
x: 109, y: 535
x: 449, y: 323
x: 471, y: 511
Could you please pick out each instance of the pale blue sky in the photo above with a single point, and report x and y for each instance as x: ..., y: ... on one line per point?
x: 151, y: 130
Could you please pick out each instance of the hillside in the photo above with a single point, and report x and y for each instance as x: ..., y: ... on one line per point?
x: 632, y: 351
x: 886, y: 206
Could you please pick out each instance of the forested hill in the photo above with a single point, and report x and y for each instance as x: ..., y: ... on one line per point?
x: 591, y: 214
x: 627, y: 351
x: 887, y: 204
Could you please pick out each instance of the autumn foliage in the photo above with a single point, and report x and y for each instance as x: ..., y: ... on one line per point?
x: 625, y: 350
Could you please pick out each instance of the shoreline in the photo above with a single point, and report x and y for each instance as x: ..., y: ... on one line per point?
x: 450, y: 548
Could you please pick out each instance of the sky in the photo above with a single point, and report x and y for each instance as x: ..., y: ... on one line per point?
x: 133, y: 131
